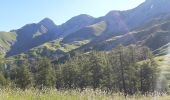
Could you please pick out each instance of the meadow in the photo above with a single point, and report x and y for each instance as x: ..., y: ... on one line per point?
x: 87, y: 94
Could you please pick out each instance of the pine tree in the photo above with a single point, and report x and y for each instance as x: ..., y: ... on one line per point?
x: 96, y: 69
x: 45, y: 75
x: 24, y: 77
x: 21, y: 75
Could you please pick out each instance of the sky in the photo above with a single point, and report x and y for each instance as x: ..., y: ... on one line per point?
x: 16, y: 13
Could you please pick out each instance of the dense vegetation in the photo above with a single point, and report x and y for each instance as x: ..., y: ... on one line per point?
x: 128, y: 70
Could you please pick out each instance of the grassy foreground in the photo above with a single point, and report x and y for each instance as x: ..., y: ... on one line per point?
x: 50, y: 94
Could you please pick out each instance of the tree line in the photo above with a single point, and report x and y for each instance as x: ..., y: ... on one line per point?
x: 129, y: 70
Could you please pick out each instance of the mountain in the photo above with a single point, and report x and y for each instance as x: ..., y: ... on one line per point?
x: 49, y: 24
x: 32, y: 35
x: 146, y: 11
x: 75, y: 24
x: 122, y: 22
x: 36, y: 34
x: 86, y: 33
x: 148, y: 24
x: 154, y: 34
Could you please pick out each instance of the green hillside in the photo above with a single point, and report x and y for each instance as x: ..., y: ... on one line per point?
x: 6, y: 40
x: 54, y: 48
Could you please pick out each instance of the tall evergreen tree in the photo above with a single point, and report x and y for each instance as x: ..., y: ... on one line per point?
x: 21, y: 74
x: 45, y: 74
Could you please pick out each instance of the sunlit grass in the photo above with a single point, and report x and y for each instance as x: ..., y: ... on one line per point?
x: 6, y: 39
x: 52, y: 94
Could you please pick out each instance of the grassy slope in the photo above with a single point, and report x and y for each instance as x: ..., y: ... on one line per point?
x: 6, y: 40
x: 53, y: 48
x: 162, y: 50
x: 99, y: 28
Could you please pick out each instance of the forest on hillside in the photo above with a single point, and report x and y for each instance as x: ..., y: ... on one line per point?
x: 129, y: 70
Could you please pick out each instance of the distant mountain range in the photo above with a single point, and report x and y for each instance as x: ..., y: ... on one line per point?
x: 148, y: 24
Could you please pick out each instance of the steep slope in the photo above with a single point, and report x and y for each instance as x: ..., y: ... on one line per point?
x: 164, y: 50
x: 6, y: 40
x: 32, y: 35
x: 75, y: 24
x: 146, y: 11
x: 153, y: 37
x: 154, y: 34
x: 122, y: 22
x: 87, y: 33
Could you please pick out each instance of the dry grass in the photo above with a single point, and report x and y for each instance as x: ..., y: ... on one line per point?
x: 52, y: 94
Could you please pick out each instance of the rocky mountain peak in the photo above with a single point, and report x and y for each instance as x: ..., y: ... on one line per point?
x: 47, y: 22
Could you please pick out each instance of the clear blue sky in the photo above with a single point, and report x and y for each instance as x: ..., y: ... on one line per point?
x: 16, y: 13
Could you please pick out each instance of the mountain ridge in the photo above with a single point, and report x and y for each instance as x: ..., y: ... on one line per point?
x: 87, y: 28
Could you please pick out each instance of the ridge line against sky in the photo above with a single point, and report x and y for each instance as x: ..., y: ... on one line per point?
x: 17, y: 13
